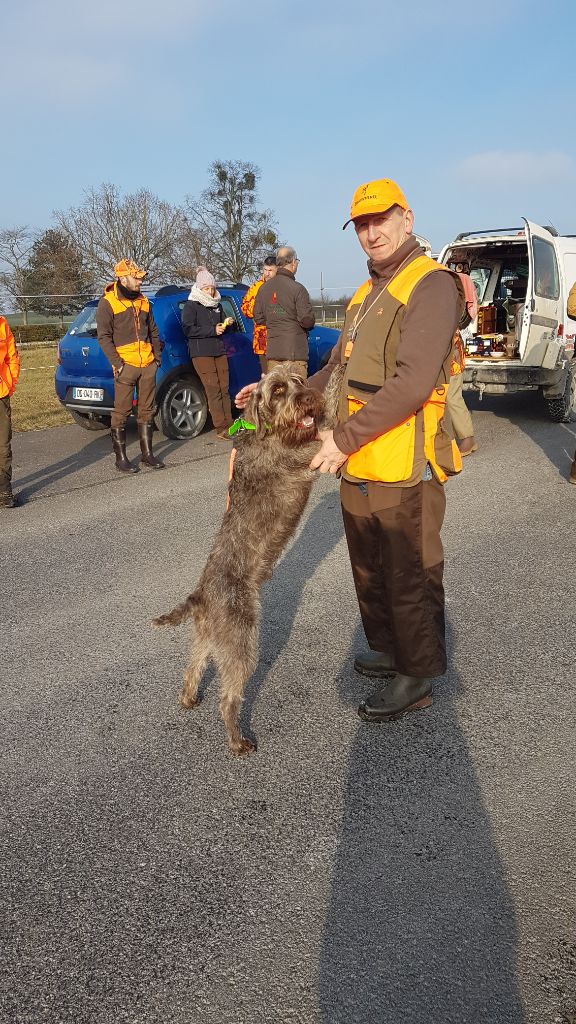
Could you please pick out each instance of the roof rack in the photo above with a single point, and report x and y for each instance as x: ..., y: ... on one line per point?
x: 489, y: 231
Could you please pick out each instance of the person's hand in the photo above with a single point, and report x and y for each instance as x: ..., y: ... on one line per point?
x: 243, y: 396
x: 329, y: 458
x: 117, y: 370
x: 220, y: 328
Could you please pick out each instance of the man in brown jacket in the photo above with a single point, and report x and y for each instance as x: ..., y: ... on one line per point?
x: 283, y: 306
x: 395, y: 352
x: 128, y: 337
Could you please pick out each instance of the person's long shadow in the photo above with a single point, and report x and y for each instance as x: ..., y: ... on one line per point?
x: 528, y: 412
x: 97, y: 449
x: 281, y: 597
x: 420, y: 927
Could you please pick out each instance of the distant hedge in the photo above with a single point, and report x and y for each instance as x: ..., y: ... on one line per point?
x: 38, y: 334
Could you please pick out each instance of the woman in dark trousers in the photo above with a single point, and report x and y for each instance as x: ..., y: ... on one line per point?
x: 203, y: 324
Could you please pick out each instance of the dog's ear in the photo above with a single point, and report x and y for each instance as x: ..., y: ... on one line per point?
x: 253, y: 413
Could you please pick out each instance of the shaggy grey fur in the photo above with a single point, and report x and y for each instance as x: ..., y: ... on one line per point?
x: 269, y: 489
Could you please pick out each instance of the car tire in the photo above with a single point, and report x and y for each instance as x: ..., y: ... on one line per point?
x: 563, y: 409
x: 183, y: 409
x: 90, y: 421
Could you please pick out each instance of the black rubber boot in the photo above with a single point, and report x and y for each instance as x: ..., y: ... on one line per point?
x: 572, y: 477
x: 375, y: 664
x: 123, y: 464
x: 402, y: 695
x: 147, y: 458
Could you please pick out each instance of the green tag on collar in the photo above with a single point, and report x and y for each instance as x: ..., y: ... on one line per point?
x: 239, y: 425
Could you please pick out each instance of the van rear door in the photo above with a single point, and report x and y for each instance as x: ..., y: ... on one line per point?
x: 543, y: 309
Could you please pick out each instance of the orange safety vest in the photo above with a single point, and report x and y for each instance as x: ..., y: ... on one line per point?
x: 9, y: 360
x: 390, y: 457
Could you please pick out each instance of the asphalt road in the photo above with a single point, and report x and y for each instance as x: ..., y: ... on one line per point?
x: 420, y: 873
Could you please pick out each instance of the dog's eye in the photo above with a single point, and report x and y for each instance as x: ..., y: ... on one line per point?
x: 279, y: 390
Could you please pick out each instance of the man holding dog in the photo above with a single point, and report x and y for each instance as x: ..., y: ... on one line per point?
x: 395, y: 353
x: 394, y: 356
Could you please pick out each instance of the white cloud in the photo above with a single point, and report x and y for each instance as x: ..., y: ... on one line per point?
x: 516, y: 167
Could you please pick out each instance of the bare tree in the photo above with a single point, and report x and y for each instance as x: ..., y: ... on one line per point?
x: 108, y: 226
x: 234, y: 234
x: 15, y: 250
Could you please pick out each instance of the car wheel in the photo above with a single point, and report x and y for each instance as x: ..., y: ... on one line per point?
x: 563, y: 409
x: 183, y: 409
x: 89, y: 420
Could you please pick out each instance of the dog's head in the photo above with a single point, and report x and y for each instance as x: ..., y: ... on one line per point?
x: 283, y: 405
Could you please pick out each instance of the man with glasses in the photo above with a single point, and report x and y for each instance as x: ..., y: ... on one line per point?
x: 283, y: 307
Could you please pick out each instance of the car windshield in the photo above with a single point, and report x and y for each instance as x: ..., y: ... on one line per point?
x: 85, y: 322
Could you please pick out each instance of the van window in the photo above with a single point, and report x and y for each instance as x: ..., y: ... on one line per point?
x: 480, y: 276
x: 547, y: 281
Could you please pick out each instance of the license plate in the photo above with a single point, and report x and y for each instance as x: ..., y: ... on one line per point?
x: 88, y: 394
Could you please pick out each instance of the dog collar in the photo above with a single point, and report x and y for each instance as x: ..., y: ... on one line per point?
x: 239, y: 425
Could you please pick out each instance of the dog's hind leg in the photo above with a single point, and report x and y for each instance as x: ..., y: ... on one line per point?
x: 236, y: 659
x: 199, y: 655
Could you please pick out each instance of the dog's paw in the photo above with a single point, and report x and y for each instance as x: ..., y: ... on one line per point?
x: 243, y: 746
x: 188, y: 702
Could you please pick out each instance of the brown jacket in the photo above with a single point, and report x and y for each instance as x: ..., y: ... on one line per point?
x: 426, y: 334
x: 127, y: 332
x: 283, y: 306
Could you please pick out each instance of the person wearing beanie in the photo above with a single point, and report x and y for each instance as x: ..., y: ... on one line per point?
x: 204, y: 324
x: 128, y: 337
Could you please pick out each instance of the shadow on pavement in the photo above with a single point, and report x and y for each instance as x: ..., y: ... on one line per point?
x: 282, y: 597
x: 420, y: 927
x: 92, y: 452
x: 528, y: 412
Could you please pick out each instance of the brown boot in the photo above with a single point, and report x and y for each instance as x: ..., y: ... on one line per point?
x: 572, y: 477
x: 467, y: 445
x: 123, y: 464
x: 147, y: 458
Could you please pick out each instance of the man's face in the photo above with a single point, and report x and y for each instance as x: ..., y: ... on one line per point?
x: 381, y: 234
x: 131, y: 283
x: 268, y: 272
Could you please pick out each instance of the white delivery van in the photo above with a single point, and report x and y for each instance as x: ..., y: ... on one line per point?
x: 522, y: 339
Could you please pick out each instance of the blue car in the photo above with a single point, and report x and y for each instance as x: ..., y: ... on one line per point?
x: 85, y: 384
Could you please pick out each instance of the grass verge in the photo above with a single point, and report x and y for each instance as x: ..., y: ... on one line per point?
x: 34, y: 403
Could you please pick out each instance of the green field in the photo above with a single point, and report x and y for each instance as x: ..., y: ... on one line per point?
x: 34, y: 403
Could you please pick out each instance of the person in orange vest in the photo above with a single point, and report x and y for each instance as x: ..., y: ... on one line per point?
x: 269, y: 269
x: 9, y: 373
x: 392, y: 450
x: 128, y: 337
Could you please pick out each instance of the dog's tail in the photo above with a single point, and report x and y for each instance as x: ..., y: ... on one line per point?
x: 180, y: 613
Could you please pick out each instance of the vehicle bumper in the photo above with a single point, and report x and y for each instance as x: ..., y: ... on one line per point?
x: 509, y: 377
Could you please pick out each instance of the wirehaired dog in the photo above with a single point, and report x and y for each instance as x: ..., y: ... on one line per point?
x: 270, y: 486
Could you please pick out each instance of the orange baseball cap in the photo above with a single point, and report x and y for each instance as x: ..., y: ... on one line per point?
x: 127, y: 268
x: 376, y: 197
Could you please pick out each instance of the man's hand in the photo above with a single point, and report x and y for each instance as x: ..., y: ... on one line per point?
x: 220, y: 328
x: 117, y: 370
x: 329, y: 458
x: 243, y: 396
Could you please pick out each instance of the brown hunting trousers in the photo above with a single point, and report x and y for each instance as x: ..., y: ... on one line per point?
x: 213, y: 372
x: 5, y: 449
x: 143, y: 378
x: 393, y: 536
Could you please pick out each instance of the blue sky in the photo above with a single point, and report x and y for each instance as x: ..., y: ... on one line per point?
x: 470, y: 107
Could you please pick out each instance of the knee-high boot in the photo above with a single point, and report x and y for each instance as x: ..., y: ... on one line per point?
x: 148, y: 458
x: 123, y: 464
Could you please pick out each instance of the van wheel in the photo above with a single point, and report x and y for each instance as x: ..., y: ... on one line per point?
x: 183, y: 409
x: 90, y: 421
x: 563, y: 409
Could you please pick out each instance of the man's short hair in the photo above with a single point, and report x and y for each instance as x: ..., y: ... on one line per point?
x: 286, y: 254
x: 270, y: 261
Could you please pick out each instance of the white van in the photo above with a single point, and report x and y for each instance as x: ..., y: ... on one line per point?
x: 522, y: 339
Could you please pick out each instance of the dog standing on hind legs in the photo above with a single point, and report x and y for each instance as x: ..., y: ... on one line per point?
x: 269, y: 489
